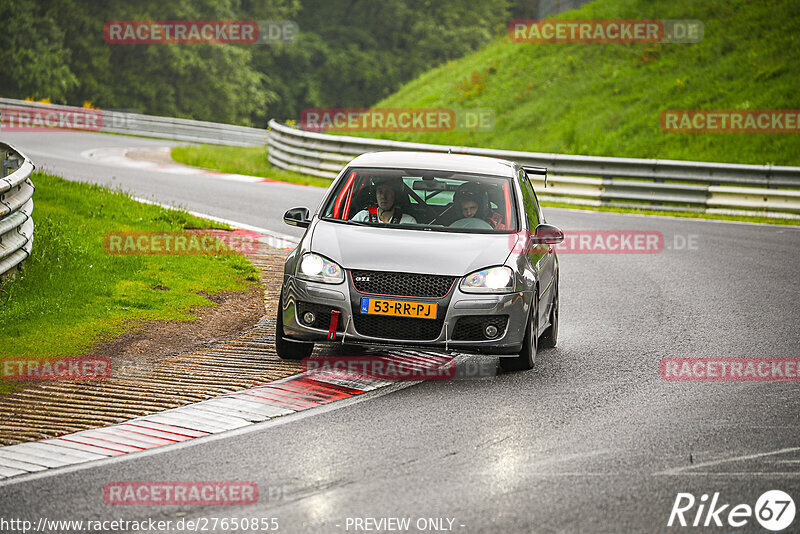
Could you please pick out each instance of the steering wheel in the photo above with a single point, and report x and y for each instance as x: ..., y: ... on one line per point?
x: 445, y: 212
x: 472, y: 223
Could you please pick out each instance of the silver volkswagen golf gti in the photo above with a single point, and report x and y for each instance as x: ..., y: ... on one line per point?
x: 444, y: 251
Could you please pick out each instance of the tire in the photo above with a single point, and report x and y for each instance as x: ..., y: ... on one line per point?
x: 527, y: 355
x: 550, y: 336
x: 289, y: 350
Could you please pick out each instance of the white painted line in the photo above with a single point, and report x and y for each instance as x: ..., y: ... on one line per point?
x: 249, y: 403
x: 349, y: 381
x: 126, y: 438
x: 190, y: 412
x: 80, y: 447
x: 179, y: 170
x: 267, y: 404
x: 119, y: 158
x: 238, y: 405
x: 736, y: 473
x: 24, y: 466
x: 78, y: 437
x: 185, y: 420
x: 176, y: 420
x: 228, y: 421
x: 28, y: 458
x: 681, y: 470
x: 47, y: 453
x: 64, y: 451
x: 150, y: 432
x: 229, y: 410
x: 9, y: 472
x: 163, y: 427
x: 248, y: 178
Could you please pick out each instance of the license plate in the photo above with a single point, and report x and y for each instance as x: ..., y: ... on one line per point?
x: 399, y: 308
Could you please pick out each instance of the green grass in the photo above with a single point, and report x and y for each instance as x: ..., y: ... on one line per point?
x: 606, y: 99
x: 72, y: 295
x: 239, y: 160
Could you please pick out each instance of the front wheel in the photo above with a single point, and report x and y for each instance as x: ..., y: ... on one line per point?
x: 286, y: 349
x: 527, y: 355
x: 550, y: 336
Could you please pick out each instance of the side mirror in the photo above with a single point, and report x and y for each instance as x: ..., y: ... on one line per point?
x: 297, y: 217
x: 547, y: 234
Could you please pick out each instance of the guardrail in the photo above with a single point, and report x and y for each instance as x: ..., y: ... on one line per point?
x: 671, y: 185
x: 762, y: 190
x: 151, y: 126
x: 16, y: 207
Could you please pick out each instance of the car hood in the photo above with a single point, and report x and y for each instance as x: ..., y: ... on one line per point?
x: 417, y: 251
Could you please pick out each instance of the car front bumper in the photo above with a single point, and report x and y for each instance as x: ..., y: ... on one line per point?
x: 346, y: 299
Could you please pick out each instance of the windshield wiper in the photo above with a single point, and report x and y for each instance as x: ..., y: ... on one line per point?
x: 349, y: 221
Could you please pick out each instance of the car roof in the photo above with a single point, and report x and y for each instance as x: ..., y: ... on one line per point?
x: 434, y: 161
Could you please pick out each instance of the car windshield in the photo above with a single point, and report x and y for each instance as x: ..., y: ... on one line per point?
x: 424, y: 200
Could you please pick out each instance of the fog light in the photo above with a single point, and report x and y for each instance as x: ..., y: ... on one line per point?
x: 309, y: 318
x: 490, y: 331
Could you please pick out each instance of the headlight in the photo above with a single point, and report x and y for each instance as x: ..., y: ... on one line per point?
x: 315, y: 267
x: 492, y: 280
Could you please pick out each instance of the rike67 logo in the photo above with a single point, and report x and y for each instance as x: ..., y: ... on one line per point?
x: 774, y: 510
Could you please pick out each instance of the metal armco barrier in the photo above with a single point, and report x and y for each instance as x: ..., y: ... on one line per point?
x: 159, y: 127
x: 16, y: 208
x: 723, y: 188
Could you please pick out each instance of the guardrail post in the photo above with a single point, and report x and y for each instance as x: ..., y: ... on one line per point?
x: 9, y: 163
x: 4, y: 157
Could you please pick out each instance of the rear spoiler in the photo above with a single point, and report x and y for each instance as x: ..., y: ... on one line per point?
x: 542, y: 171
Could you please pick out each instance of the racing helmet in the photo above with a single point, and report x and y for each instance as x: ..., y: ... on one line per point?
x: 475, y: 192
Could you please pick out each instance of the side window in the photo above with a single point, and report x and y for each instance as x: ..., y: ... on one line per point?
x: 529, y: 199
x: 535, y: 200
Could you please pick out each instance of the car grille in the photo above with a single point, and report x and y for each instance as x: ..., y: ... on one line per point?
x: 322, y: 313
x: 402, y: 284
x: 470, y: 327
x: 397, y: 327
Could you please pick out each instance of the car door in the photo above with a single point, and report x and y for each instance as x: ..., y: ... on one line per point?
x: 542, y: 257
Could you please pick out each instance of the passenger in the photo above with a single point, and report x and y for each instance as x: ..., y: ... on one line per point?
x: 387, y: 210
x: 473, y: 201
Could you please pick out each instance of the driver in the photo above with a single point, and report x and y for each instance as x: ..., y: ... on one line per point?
x: 387, y: 192
x: 473, y: 201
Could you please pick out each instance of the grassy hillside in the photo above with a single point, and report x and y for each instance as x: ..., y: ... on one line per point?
x: 606, y: 99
